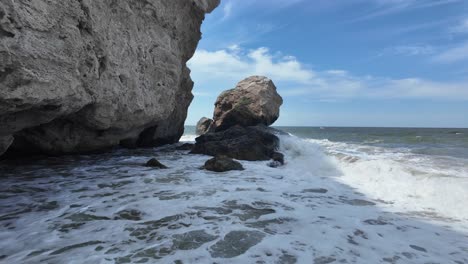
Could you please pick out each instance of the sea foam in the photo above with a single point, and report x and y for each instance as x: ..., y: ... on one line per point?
x: 323, y: 206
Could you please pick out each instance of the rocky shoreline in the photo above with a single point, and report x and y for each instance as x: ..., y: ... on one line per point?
x: 239, y: 128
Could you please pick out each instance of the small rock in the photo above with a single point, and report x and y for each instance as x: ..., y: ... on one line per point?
x: 236, y: 243
x: 418, y: 248
x: 154, y: 163
x: 131, y: 214
x: 315, y: 190
x: 278, y: 160
x: 222, y: 163
x: 186, y: 146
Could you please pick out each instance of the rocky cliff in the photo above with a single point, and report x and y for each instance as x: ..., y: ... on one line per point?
x: 83, y: 75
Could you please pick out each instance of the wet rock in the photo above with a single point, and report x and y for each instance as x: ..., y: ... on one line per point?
x: 82, y: 217
x: 154, y: 163
x: 222, y: 164
x: 287, y: 258
x: 418, y: 248
x: 316, y: 190
x: 67, y: 227
x: 132, y: 214
x: 203, y: 125
x: 324, y: 260
x: 114, y: 185
x: 242, y: 143
x: 277, y: 160
x: 236, y: 243
x: 68, y: 248
x: 254, y: 101
x: 358, y: 202
x: 375, y: 222
x: 247, y: 211
x: 185, y: 146
x: 48, y: 206
x: 192, y: 240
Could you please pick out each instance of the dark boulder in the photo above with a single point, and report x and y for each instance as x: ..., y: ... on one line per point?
x: 154, y: 163
x: 185, y: 146
x: 243, y: 143
x: 277, y: 160
x: 222, y: 163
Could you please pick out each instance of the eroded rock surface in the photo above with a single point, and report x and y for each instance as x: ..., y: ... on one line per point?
x: 203, y: 125
x: 243, y: 143
x: 253, y: 102
x: 84, y: 75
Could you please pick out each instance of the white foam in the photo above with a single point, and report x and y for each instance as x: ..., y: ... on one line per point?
x: 410, y: 182
x: 307, y: 224
x: 188, y: 138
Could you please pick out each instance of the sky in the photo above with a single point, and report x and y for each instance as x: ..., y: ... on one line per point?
x: 377, y: 63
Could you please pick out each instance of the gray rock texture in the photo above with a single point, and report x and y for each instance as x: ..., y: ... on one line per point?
x: 222, y: 164
x: 203, y: 125
x: 237, y: 142
x: 84, y: 75
x: 254, y: 101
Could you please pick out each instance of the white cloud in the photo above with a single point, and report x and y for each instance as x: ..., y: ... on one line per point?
x: 455, y: 54
x: 390, y: 7
x: 227, y: 10
x: 215, y: 71
x: 461, y: 28
x: 409, y: 50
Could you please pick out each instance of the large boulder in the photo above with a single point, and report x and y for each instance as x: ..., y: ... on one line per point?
x: 242, y: 143
x: 79, y: 76
x: 254, y: 101
x: 203, y: 125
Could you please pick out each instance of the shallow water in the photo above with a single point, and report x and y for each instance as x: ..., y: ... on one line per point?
x: 328, y: 204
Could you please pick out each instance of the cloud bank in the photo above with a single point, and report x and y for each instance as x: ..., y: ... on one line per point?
x: 225, y: 67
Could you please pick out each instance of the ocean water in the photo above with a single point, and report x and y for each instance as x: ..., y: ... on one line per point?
x: 345, y: 195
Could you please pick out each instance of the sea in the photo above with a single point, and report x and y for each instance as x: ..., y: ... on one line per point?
x: 344, y: 195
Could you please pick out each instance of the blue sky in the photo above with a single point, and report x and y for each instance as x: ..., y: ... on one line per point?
x: 341, y: 62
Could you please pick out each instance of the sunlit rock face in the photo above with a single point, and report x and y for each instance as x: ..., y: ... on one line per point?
x: 84, y: 75
x: 254, y: 101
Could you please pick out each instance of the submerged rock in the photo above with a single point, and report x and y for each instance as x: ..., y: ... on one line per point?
x: 203, y: 125
x: 185, y: 146
x: 191, y: 240
x: 236, y: 243
x: 253, y: 102
x: 154, y: 163
x: 243, y: 143
x: 222, y: 164
x: 278, y: 160
x: 132, y: 214
x: 81, y: 76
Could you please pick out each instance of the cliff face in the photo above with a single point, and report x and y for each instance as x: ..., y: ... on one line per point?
x: 83, y: 75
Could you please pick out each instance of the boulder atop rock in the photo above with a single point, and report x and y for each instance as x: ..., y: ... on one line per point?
x: 253, y: 102
x: 243, y: 143
x: 203, y: 125
x: 222, y: 163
